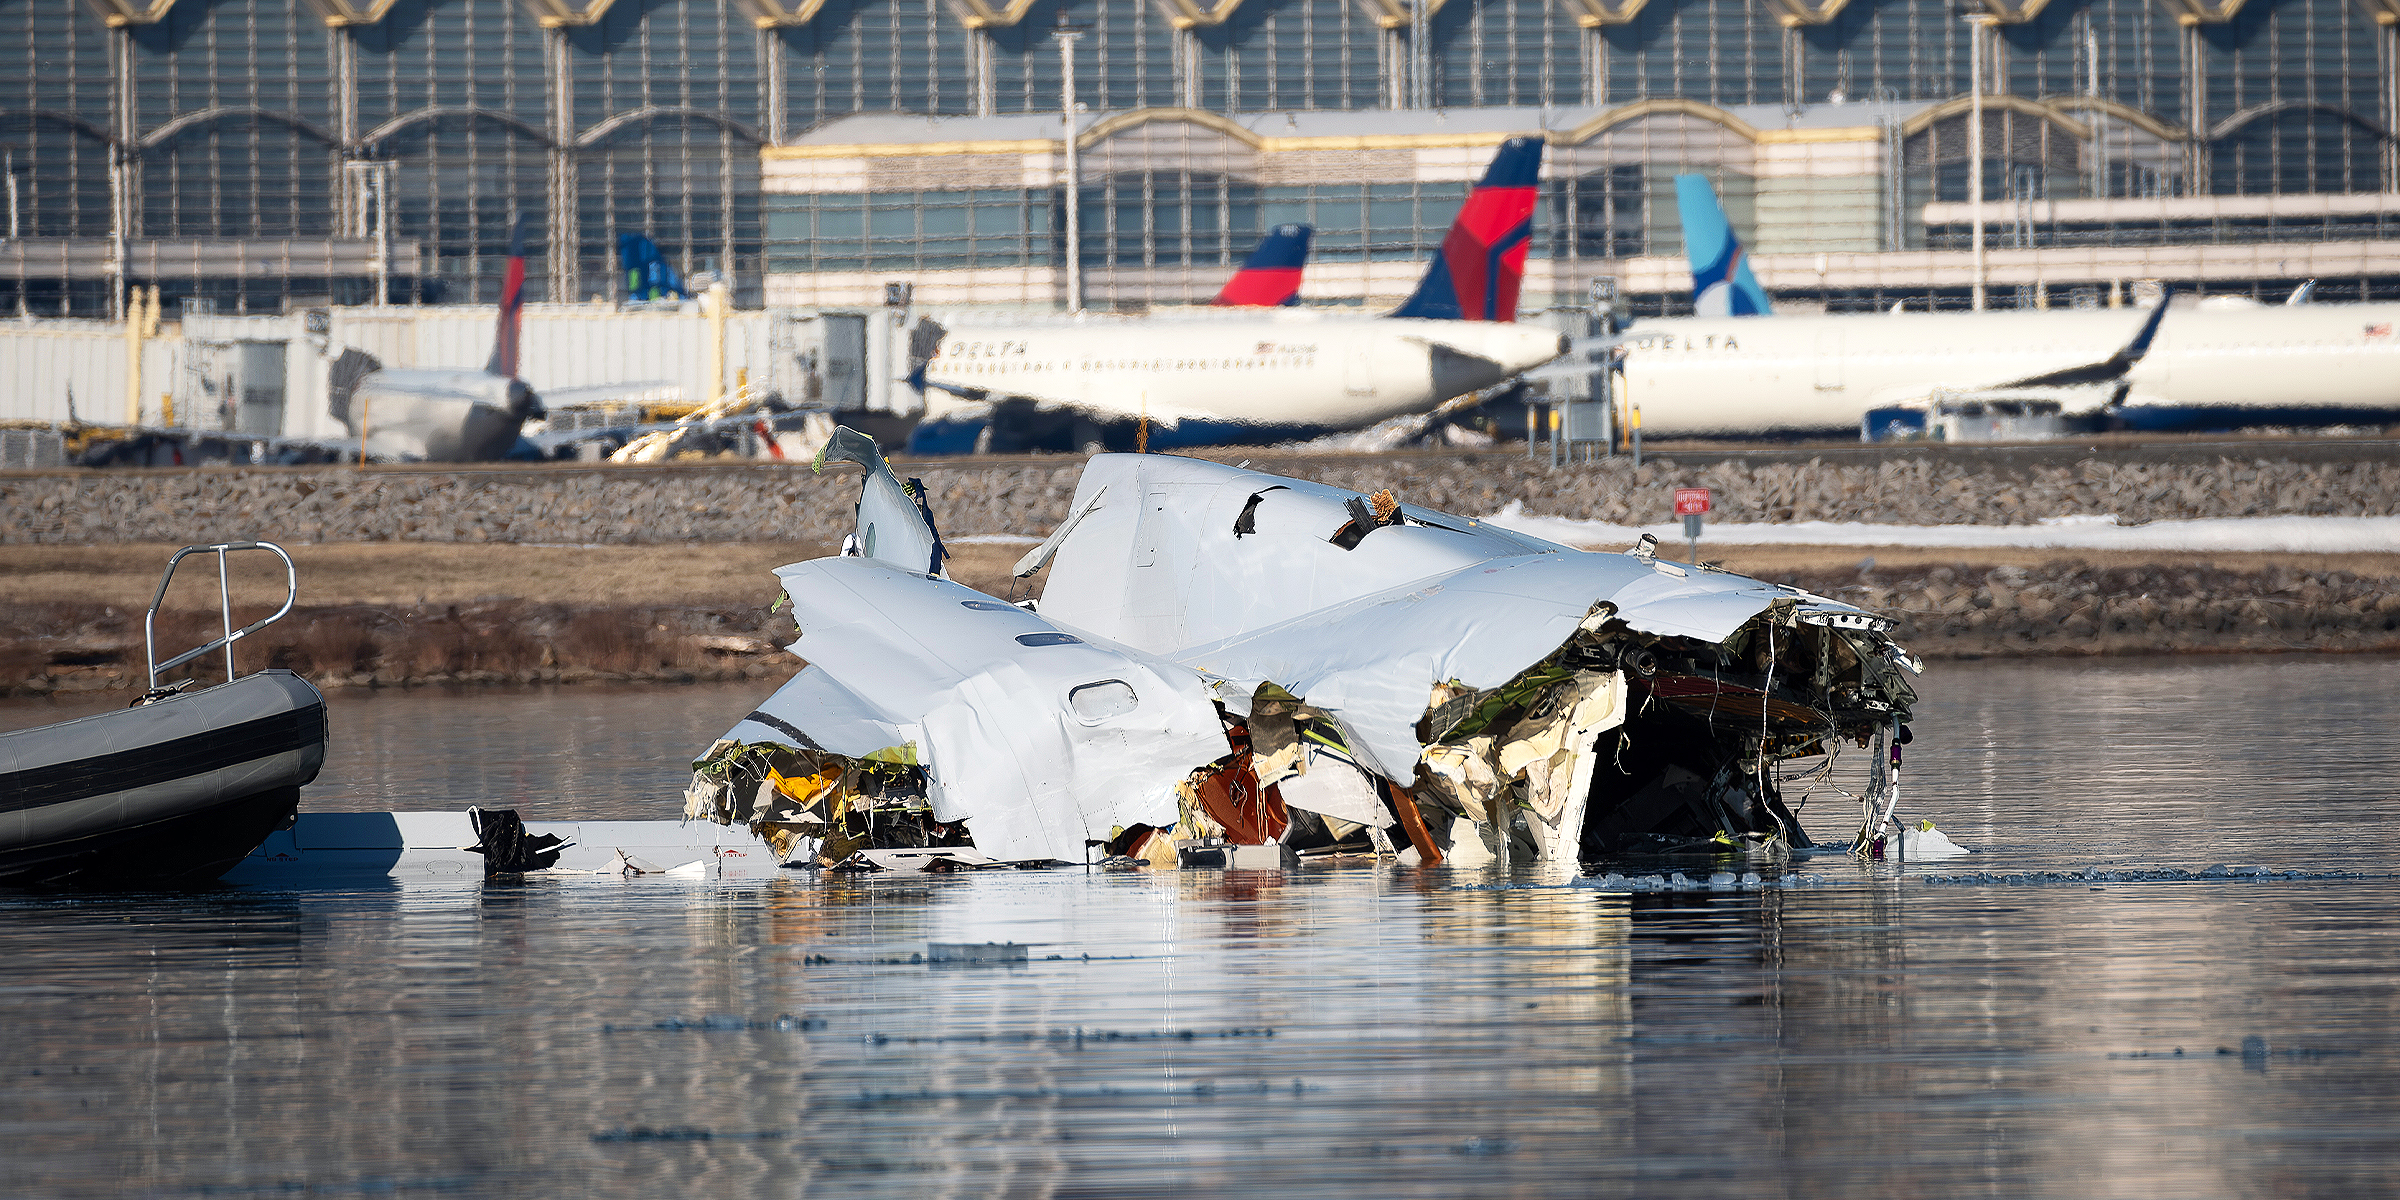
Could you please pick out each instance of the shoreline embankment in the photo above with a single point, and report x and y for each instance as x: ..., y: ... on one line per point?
x: 526, y: 576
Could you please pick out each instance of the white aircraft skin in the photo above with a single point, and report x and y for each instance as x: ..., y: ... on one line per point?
x: 2300, y: 356
x: 1280, y: 368
x: 1815, y: 374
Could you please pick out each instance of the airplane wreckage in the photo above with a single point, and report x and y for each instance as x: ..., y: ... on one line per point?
x: 1224, y: 660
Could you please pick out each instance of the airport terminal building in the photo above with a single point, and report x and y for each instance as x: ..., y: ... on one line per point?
x: 250, y: 155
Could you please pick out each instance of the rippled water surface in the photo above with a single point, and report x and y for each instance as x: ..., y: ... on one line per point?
x: 1335, y: 1031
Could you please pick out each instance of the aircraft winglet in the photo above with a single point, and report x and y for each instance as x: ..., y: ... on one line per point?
x: 2108, y: 368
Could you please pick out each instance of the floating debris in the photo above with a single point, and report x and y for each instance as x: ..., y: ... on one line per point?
x: 643, y: 1133
x: 787, y: 1023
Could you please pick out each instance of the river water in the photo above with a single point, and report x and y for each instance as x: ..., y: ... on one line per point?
x: 1335, y: 1031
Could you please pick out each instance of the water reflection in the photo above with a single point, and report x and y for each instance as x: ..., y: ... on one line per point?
x: 1424, y: 1039
x: 1428, y: 1036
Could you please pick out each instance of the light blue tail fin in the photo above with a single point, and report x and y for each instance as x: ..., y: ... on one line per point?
x: 1722, y: 285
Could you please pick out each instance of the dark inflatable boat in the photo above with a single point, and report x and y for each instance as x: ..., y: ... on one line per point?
x: 169, y: 793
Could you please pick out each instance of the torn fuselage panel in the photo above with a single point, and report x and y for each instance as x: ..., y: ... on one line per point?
x: 1382, y: 617
x: 1038, y: 738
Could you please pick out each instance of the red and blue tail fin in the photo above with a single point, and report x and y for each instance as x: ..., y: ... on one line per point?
x: 1476, y: 273
x: 1272, y: 275
x: 512, y: 306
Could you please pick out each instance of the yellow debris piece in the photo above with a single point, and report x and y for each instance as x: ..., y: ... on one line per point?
x: 803, y: 789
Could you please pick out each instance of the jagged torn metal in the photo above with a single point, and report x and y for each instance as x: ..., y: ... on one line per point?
x: 1365, y: 633
x: 1042, y: 738
x: 1199, y: 585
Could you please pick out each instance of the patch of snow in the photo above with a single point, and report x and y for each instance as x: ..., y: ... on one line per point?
x: 2311, y: 535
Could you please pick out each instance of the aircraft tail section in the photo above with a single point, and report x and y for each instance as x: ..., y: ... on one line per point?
x: 1477, y: 271
x: 512, y: 307
x: 1272, y: 274
x: 1722, y: 285
x: 647, y: 275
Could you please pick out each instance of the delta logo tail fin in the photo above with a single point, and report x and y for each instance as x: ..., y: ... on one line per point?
x: 1477, y: 272
x: 512, y: 306
x: 1271, y: 276
x: 1722, y: 285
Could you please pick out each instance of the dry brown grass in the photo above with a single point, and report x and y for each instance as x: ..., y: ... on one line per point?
x: 390, y: 574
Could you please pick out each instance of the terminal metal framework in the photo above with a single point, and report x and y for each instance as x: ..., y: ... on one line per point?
x: 250, y: 153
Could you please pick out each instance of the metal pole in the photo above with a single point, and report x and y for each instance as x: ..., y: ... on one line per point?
x: 1608, y: 411
x: 714, y: 302
x: 1420, y: 57
x: 2091, y: 51
x: 116, y: 234
x: 225, y: 610
x: 383, y: 237
x: 8, y: 169
x: 1975, y: 147
x: 1074, y: 200
x: 120, y: 170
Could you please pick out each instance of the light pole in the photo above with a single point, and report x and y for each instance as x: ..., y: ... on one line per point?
x: 1975, y: 26
x: 8, y: 171
x: 1420, y: 56
x: 374, y: 178
x: 1066, y: 36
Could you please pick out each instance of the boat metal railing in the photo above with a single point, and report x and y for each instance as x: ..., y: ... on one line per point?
x: 291, y: 576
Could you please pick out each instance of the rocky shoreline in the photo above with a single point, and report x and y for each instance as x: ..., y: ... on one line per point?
x: 649, y: 523
x: 2064, y: 609
x: 2071, y: 609
x: 746, y: 502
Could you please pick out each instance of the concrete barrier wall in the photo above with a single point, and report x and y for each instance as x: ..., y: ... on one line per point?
x: 710, y: 503
x: 564, y: 347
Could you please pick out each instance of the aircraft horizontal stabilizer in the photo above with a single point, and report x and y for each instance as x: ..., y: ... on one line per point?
x: 611, y: 393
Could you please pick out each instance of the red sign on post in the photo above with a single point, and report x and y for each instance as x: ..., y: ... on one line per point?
x: 1691, y: 502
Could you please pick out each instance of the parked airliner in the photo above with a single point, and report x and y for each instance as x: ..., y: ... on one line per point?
x: 2202, y: 367
x: 1246, y: 375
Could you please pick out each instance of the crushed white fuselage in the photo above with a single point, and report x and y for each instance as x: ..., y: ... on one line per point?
x: 1226, y: 654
